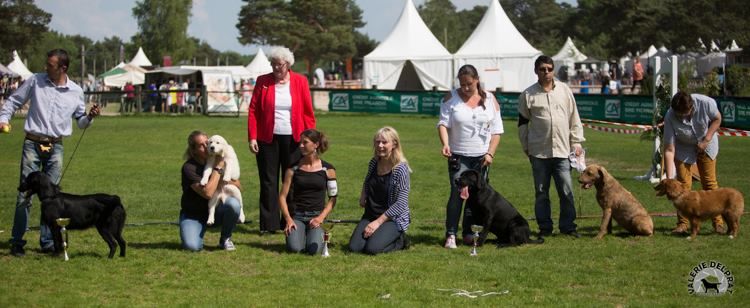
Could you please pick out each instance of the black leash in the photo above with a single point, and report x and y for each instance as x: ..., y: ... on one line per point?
x: 71, y: 156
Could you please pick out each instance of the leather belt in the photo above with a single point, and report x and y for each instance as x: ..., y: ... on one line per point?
x: 43, y: 139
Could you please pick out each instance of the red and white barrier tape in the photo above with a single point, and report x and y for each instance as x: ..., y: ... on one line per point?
x: 733, y: 132
x: 641, y: 126
x: 616, y: 130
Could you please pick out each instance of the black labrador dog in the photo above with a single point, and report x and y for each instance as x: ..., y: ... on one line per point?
x: 101, y: 210
x: 493, y: 211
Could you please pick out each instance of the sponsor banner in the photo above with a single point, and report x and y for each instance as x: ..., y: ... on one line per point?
x: 220, y: 92
x: 634, y: 109
x: 386, y: 101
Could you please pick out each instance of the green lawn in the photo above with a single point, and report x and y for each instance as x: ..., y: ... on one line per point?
x: 139, y: 158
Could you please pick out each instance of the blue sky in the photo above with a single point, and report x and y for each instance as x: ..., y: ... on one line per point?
x: 213, y: 21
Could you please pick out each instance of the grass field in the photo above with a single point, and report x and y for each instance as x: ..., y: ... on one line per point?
x: 139, y: 158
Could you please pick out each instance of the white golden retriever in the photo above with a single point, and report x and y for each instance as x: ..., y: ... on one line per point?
x: 218, y: 147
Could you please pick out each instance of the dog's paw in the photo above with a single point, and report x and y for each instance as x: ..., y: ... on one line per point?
x: 204, y: 182
x: 210, y: 222
x: 731, y: 237
x: 689, y: 238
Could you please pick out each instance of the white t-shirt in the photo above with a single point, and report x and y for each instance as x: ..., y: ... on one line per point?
x: 470, y: 129
x: 282, y: 113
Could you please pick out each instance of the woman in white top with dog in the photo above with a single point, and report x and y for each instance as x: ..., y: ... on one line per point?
x: 470, y: 126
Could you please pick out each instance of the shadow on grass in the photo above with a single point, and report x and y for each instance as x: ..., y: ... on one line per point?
x: 156, y: 245
x: 272, y: 247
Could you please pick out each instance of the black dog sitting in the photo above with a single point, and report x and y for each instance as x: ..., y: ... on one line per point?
x: 103, y: 211
x: 493, y: 211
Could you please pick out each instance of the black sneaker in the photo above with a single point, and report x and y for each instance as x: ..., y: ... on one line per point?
x: 544, y: 233
x: 17, y: 251
x: 572, y: 233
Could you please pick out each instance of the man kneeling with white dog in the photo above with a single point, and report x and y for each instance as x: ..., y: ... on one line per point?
x: 195, y: 197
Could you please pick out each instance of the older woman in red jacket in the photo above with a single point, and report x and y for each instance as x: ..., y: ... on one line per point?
x: 280, y: 109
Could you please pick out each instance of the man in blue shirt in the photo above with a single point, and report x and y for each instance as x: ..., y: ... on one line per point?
x: 54, y: 99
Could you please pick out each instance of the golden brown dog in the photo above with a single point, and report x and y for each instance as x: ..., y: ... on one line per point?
x: 616, y: 202
x: 698, y: 206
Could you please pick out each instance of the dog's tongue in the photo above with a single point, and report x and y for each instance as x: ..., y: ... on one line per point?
x: 465, y: 192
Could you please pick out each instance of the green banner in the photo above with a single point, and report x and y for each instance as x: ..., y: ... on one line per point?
x: 634, y: 109
x: 386, y: 101
x: 625, y: 109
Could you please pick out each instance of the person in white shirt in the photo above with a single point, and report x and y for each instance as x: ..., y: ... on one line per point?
x: 470, y: 126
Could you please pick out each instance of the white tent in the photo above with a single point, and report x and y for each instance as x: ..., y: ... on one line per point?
x: 714, y: 47
x: 410, y: 41
x: 260, y: 65
x: 18, y: 67
x: 733, y: 47
x: 503, y: 57
x: 140, y: 59
x: 5, y: 71
x: 648, y: 54
x: 568, y: 56
x: 705, y: 64
x: 238, y: 72
x: 131, y: 73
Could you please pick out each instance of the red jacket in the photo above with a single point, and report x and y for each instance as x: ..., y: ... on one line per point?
x: 260, y: 115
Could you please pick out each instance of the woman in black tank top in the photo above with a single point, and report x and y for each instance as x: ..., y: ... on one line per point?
x: 311, y: 180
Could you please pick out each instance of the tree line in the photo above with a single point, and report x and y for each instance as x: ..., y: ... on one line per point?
x: 318, y: 31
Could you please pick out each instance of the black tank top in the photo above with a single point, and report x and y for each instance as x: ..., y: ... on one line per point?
x: 309, y: 188
x: 377, y: 195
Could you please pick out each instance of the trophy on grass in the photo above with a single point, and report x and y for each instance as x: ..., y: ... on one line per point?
x: 62, y: 222
x: 327, y: 226
x: 476, y: 229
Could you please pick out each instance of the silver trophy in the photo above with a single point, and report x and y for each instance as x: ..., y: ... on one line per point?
x: 476, y: 229
x: 327, y: 226
x: 62, y: 222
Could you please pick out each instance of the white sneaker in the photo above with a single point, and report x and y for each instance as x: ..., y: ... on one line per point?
x: 228, y: 245
x: 450, y: 242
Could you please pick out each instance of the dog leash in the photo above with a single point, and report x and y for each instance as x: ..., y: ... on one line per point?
x: 71, y: 156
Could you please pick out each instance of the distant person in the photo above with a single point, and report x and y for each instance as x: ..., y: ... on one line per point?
x: 469, y: 128
x: 173, y: 96
x: 320, y: 78
x: 194, y: 200
x: 54, y: 99
x: 690, y: 138
x: 550, y: 130
x: 164, y: 95
x: 312, y: 180
x: 129, y: 97
x: 153, y: 98
x: 385, y: 198
x: 280, y: 110
x: 637, y: 75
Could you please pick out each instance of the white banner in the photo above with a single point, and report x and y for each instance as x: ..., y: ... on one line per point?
x: 220, y: 91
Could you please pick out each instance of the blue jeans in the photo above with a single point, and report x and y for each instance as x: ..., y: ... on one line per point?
x: 192, y: 230
x: 455, y: 203
x: 387, y: 238
x: 304, y: 238
x: 559, y: 169
x: 34, y: 159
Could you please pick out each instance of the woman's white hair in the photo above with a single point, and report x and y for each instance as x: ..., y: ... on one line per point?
x: 281, y: 53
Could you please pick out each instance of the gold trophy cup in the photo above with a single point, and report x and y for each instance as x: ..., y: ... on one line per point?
x: 327, y: 226
x: 62, y: 222
x: 476, y: 229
